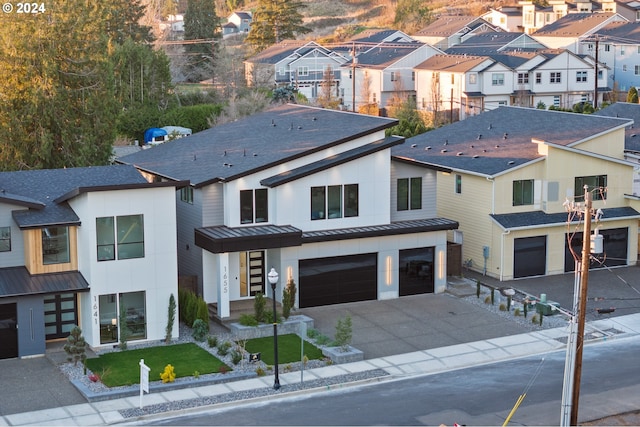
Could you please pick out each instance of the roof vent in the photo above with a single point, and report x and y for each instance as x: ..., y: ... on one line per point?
x: 255, y: 154
x: 510, y: 162
x: 475, y: 156
x: 459, y: 153
x: 479, y: 136
x: 489, y: 126
x: 314, y: 119
x: 414, y: 145
x: 471, y: 146
x: 299, y: 127
x: 446, y: 142
x: 505, y: 135
x: 194, y: 159
x: 225, y: 153
x: 244, y: 152
x: 428, y: 147
x: 443, y: 151
x: 633, y: 135
x: 273, y: 123
x: 497, y: 146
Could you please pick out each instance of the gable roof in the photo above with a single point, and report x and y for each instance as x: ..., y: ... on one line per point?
x: 277, y: 52
x: 451, y: 63
x: 496, y: 141
x: 385, y: 54
x: 492, y: 42
x: 448, y: 25
x: 620, y: 33
x: 574, y: 25
x: 255, y: 143
x: 379, y: 36
x: 46, y: 192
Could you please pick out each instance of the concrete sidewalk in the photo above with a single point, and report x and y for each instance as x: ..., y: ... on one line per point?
x: 430, y: 361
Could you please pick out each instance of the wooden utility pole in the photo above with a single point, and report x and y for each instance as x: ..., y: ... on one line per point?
x: 582, y: 306
x: 354, y: 63
x: 595, y: 93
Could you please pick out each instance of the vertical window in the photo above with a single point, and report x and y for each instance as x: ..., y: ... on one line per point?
x: 538, y: 78
x: 581, y: 76
x: 607, y: 48
x: 523, y: 192
x: 413, y: 76
x: 105, y: 238
x: 637, y: 70
x: 409, y: 194
x: 556, y: 101
x: 5, y: 239
x: 523, y: 78
x: 303, y: 71
x: 393, y: 76
x: 318, y: 205
x: 55, y: 245
x: 254, y: 206
x: 596, y: 185
x: 132, y: 308
x: 108, y: 318
x: 555, y: 77
x: 130, y: 232
x: 472, y: 78
x: 186, y: 194
x: 334, y: 201
x: 621, y: 50
x: 351, y: 200
x: 497, y: 79
x: 458, y: 184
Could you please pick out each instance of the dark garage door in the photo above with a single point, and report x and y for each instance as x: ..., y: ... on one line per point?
x: 615, y: 249
x: 335, y: 280
x: 8, y: 331
x: 530, y: 256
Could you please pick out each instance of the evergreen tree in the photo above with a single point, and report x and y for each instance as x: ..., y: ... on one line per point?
x: 56, y: 88
x: 632, y: 95
x: 202, y: 27
x: 412, y: 15
x: 274, y: 21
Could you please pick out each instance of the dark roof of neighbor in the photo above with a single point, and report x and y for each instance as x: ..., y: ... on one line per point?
x: 447, y: 25
x: 277, y: 52
x: 573, y: 24
x: 378, y: 35
x: 620, y: 33
x: 501, y: 139
x: 627, y: 111
x: 490, y: 43
x: 16, y: 281
x: 46, y: 191
x: 233, y: 150
x: 217, y: 239
x: 385, y: 54
x: 451, y: 63
x: 535, y: 219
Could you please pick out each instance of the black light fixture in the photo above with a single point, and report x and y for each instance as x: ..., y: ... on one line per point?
x: 273, y: 279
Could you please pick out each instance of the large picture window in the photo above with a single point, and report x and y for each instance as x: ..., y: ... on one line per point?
x: 597, y: 185
x: 254, y: 206
x: 409, y: 194
x: 523, y: 192
x: 334, y: 201
x: 114, y: 309
x: 121, y: 237
x: 55, y: 245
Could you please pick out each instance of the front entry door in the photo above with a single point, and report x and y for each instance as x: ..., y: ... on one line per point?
x: 8, y: 331
x: 60, y: 315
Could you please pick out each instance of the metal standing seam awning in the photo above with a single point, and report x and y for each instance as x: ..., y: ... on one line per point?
x: 16, y: 281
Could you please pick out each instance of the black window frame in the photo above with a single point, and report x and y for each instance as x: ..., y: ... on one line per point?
x: 5, y: 239
x: 520, y: 190
x: 254, y: 206
x: 593, y: 182
x: 409, y: 194
x: 325, y: 205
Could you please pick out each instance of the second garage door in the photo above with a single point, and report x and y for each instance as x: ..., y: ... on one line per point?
x: 335, y: 280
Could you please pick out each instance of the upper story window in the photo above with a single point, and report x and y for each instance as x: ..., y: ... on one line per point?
x: 186, y: 194
x: 303, y: 71
x: 538, y: 78
x: 5, y: 239
x: 120, y: 237
x: 596, y: 184
x: 581, y: 76
x: 334, y: 201
x: 394, y: 76
x: 621, y: 50
x: 637, y: 70
x: 555, y: 77
x: 497, y: 79
x: 607, y: 48
x: 523, y: 78
x: 413, y: 76
x: 55, y: 245
x: 254, y: 206
x: 473, y: 77
x: 458, y: 184
x: 409, y: 194
x: 523, y: 192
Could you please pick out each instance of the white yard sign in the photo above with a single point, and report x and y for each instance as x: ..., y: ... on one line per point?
x: 144, y: 379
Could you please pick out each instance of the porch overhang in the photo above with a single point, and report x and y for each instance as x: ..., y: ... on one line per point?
x: 540, y: 219
x: 221, y: 239
x: 16, y: 282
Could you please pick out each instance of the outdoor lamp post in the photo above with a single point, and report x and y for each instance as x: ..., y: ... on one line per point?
x: 273, y: 279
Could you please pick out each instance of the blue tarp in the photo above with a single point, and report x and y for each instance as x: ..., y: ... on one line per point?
x: 152, y: 133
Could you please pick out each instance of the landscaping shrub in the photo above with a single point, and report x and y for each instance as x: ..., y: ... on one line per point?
x: 76, y: 346
x: 248, y: 320
x: 171, y: 317
x: 344, y: 333
x: 259, y: 304
x: 212, y: 340
x: 200, y: 330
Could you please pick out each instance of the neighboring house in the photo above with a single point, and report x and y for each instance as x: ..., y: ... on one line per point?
x: 382, y: 73
x: 568, y: 31
x: 302, y: 65
x: 465, y: 85
x: 237, y: 23
x: 619, y: 48
x: 495, y: 42
x: 88, y: 247
x: 448, y: 31
x: 311, y: 193
x: 507, y: 17
x: 507, y: 175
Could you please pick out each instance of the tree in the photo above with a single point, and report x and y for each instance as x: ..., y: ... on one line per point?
x: 410, y: 123
x: 76, y: 346
x: 412, y: 15
x: 57, y: 107
x: 327, y: 97
x: 171, y: 318
x: 632, y: 95
x: 274, y: 21
x: 202, y: 28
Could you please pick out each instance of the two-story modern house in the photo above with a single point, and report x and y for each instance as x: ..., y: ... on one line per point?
x: 311, y: 193
x: 507, y: 174
x: 91, y: 247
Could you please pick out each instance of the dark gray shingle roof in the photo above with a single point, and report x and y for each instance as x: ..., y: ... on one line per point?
x: 539, y: 218
x: 47, y: 185
x: 254, y: 143
x: 500, y: 139
x: 627, y: 111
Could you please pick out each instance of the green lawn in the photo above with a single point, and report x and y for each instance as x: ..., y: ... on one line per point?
x: 288, y: 349
x: 123, y: 367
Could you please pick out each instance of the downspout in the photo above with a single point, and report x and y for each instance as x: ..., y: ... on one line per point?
x: 502, y: 254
